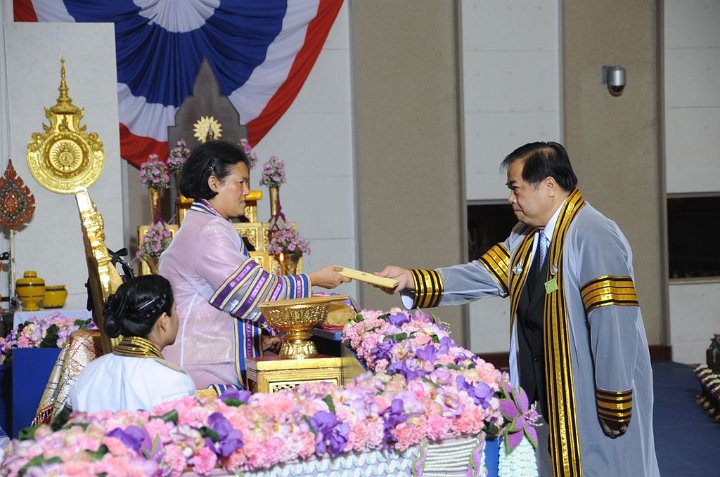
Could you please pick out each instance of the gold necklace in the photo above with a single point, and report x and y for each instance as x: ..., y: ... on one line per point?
x: 137, y: 347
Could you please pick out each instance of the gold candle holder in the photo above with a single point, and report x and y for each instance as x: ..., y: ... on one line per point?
x: 294, y: 318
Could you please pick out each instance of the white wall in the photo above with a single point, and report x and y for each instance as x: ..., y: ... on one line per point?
x: 314, y: 139
x: 52, y: 243
x: 511, y: 90
x: 692, y: 142
x: 692, y: 95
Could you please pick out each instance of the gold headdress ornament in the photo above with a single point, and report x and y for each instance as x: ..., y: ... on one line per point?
x: 65, y: 158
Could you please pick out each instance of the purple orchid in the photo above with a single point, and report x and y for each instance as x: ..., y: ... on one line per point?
x: 383, y: 350
x: 401, y: 367
x: 392, y: 416
x: 229, y: 438
x: 241, y: 395
x: 398, y: 319
x: 134, y: 438
x: 480, y: 392
x: 516, y: 409
x: 428, y: 353
x: 331, y: 434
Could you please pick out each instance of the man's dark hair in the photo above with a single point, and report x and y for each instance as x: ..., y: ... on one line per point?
x: 544, y: 159
x: 215, y: 158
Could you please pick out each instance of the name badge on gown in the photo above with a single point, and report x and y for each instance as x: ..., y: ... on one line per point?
x: 551, y: 285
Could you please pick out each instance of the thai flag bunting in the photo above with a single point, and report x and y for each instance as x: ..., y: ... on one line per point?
x: 261, y: 52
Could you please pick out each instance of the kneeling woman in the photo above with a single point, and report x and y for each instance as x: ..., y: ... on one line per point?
x: 135, y: 376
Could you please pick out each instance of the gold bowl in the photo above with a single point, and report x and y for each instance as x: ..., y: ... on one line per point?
x: 294, y: 318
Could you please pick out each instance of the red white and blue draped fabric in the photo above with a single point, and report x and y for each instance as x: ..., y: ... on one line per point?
x: 261, y: 52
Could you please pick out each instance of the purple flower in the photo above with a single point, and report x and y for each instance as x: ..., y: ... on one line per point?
x: 133, y: 438
x: 401, y: 367
x: 331, y: 435
x: 392, y: 416
x: 241, y: 395
x: 229, y: 438
x: 428, y: 353
x: 398, y: 319
x: 480, y: 392
x: 515, y: 409
x: 383, y: 349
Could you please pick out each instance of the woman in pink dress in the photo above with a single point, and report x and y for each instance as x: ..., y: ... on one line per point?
x: 217, y: 286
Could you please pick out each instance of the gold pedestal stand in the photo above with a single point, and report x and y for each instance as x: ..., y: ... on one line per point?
x: 267, y: 375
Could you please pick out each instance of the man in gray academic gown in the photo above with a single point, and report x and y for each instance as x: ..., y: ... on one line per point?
x: 578, y: 344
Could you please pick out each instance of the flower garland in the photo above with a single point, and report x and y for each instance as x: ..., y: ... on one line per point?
x: 51, y: 331
x: 436, y: 391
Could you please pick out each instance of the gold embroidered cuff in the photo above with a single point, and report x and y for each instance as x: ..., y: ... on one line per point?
x: 609, y: 290
x: 497, y: 261
x: 614, y: 407
x: 428, y: 288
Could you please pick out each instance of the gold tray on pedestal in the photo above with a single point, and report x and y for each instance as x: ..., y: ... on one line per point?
x: 294, y: 318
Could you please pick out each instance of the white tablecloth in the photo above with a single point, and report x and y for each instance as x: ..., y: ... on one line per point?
x: 23, y: 316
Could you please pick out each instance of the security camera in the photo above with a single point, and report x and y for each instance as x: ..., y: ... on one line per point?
x: 614, y: 77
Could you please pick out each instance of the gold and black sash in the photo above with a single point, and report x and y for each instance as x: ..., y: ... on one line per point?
x: 137, y: 347
x: 559, y: 385
x: 520, y: 266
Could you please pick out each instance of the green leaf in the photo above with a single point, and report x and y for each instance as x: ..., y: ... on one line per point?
x: 208, y: 432
x: 50, y: 338
x: 38, y: 460
x: 398, y: 337
x: 28, y: 433
x: 233, y: 402
x: 170, y: 416
x: 331, y: 406
x: 309, y: 423
x: 97, y: 455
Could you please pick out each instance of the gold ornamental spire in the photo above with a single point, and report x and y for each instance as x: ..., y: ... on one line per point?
x: 64, y: 157
x: 64, y: 102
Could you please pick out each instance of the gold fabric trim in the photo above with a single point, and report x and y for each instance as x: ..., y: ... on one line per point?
x: 137, y: 347
x: 497, y: 261
x: 560, y: 391
x: 614, y: 406
x: 609, y: 290
x: 429, y: 288
x: 520, y: 261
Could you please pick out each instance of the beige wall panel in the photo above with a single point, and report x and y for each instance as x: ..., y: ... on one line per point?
x: 407, y: 140
x: 614, y: 141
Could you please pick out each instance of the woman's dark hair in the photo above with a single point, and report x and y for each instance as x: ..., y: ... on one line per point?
x: 136, y: 305
x: 213, y: 158
x: 544, y: 159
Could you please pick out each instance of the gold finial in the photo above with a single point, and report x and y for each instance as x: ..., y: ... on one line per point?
x: 64, y: 102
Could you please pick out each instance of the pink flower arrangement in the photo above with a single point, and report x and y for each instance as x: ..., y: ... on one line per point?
x: 51, y: 331
x: 428, y: 389
x: 154, y: 173
x: 178, y: 156
x: 284, y: 238
x: 155, y: 240
x: 273, y: 173
x: 252, y: 157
